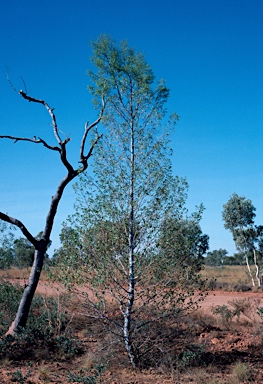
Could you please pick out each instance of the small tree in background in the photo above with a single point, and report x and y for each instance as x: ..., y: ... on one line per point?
x: 183, y: 245
x: 238, y: 215
x: 216, y: 258
x: 23, y: 253
x: 117, y: 240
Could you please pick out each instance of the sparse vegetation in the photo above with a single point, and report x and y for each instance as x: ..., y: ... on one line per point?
x: 242, y: 372
x: 198, y: 349
x: 131, y: 266
x: 231, y: 277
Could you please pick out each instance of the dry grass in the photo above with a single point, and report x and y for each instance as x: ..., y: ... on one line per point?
x: 22, y: 274
x: 231, y: 274
x: 227, y: 361
x: 242, y: 372
x: 227, y: 275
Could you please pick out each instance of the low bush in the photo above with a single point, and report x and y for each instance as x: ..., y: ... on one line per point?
x: 86, y: 376
x: 225, y: 314
x: 242, y: 372
x: 240, y: 287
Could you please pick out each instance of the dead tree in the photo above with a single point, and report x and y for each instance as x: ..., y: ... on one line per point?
x: 42, y: 244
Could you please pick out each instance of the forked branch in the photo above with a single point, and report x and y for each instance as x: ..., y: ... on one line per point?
x: 50, y: 111
x: 88, y: 127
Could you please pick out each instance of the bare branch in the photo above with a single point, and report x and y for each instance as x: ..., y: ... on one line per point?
x: 62, y: 149
x: 92, y: 147
x: 50, y: 111
x: 63, y: 156
x: 87, y: 130
x: 21, y: 226
x: 23, y: 81
x: 34, y: 140
x: 9, y: 81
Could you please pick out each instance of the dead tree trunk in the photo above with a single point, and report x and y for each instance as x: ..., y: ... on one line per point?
x: 28, y: 294
x: 42, y: 244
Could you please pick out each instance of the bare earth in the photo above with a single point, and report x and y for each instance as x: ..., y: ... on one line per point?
x: 226, y: 344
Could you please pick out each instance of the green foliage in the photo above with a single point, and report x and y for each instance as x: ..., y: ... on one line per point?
x: 24, y: 253
x: 182, y: 245
x: 238, y: 215
x: 6, y: 251
x: 260, y: 312
x: 18, y: 252
x: 226, y: 314
x: 18, y: 377
x: 216, y: 258
x: 192, y: 356
x: 239, y: 212
x: 10, y: 296
x: 122, y: 72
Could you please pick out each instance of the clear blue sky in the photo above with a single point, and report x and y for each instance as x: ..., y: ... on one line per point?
x: 209, y: 51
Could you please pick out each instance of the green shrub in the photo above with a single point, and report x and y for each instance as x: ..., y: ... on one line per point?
x: 18, y: 377
x: 225, y: 314
x: 192, y: 356
x: 85, y: 376
x: 260, y: 312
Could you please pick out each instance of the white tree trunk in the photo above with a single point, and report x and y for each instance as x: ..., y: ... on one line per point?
x: 257, y: 267
x: 131, y: 291
x: 249, y: 271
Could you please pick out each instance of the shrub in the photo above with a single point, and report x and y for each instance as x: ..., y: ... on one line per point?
x: 225, y: 314
x: 47, y: 328
x: 192, y: 356
x: 10, y: 296
x: 241, y: 287
x: 242, y: 372
x: 86, y: 376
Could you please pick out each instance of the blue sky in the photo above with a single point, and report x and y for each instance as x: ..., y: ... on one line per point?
x: 209, y: 51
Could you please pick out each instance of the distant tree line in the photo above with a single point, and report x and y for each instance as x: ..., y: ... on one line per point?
x: 220, y: 258
x: 15, y: 252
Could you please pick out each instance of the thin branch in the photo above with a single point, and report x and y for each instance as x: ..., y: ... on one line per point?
x: 21, y: 226
x: 9, y: 81
x: 87, y: 130
x: 50, y: 111
x: 34, y: 140
x: 23, y: 81
x: 92, y: 147
x: 62, y: 150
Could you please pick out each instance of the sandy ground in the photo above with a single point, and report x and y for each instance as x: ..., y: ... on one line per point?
x: 213, y: 298
x: 225, y: 345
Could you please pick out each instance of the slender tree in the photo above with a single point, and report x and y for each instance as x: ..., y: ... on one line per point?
x: 41, y: 244
x: 238, y: 215
x: 112, y: 242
